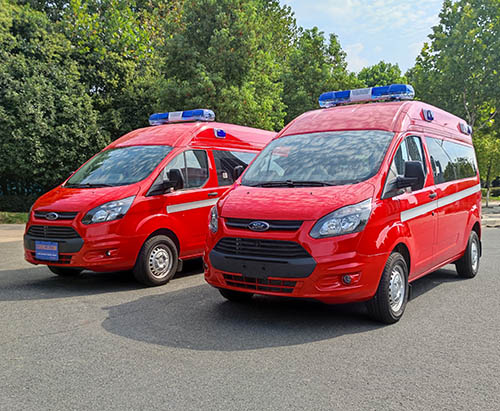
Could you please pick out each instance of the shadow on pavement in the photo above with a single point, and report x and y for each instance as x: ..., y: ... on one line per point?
x: 39, y: 283
x: 198, y: 318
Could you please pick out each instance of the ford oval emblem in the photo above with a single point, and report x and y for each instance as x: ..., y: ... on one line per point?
x: 258, y: 226
x: 52, y: 216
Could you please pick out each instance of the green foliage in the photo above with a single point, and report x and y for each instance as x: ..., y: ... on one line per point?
x: 314, y: 66
x: 47, y: 122
x: 381, y: 74
x: 13, y: 218
x: 227, y: 57
x: 459, y: 72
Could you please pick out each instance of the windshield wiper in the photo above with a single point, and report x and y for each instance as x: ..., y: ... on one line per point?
x: 88, y: 185
x: 292, y: 183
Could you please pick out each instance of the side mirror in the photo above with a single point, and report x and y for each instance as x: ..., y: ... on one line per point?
x: 414, y: 176
x: 175, y: 179
x: 237, y: 172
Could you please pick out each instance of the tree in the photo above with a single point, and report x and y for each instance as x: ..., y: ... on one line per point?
x: 47, y: 122
x: 458, y: 69
x: 227, y: 57
x: 381, y: 74
x: 314, y: 66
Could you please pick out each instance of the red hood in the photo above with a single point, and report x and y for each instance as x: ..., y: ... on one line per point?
x: 82, y: 199
x: 304, y: 203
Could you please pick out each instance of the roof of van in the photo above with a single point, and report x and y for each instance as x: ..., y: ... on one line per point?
x: 391, y: 116
x: 197, y: 134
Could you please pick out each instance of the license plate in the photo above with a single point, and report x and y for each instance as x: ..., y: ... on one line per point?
x: 46, y: 250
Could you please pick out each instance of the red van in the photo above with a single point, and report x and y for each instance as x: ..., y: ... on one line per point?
x: 351, y: 203
x: 143, y: 202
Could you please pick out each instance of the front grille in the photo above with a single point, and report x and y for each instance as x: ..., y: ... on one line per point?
x: 61, y: 215
x: 261, y: 248
x: 63, y: 259
x: 274, y: 225
x: 52, y: 231
x: 260, y: 284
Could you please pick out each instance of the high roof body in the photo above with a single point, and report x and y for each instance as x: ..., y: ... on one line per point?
x: 390, y: 116
x: 196, y: 134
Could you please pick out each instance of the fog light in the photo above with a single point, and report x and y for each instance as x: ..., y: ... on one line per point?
x: 107, y: 253
x: 347, y: 279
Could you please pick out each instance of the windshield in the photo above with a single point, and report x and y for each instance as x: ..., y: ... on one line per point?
x: 326, y: 158
x: 119, y: 166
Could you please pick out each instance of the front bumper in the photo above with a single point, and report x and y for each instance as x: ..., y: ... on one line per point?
x: 101, y: 254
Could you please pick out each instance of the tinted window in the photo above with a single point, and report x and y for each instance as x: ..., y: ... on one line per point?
x: 226, y: 161
x: 463, y: 158
x: 451, y: 161
x: 196, y: 168
x: 409, y: 150
x: 342, y: 157
x: 193, y: 165
x: 119, y: 166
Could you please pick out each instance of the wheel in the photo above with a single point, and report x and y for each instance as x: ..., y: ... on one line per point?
x: 389, y: 302
x: 235, y: 296
x: 65, y: 271
x: 468, y: 265
x: 157, y: 261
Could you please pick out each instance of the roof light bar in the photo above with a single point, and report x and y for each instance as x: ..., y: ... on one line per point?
x: 181, y: 116
x: 392, y: 92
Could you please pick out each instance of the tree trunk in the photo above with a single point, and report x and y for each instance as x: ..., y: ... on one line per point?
x: 488, y: 176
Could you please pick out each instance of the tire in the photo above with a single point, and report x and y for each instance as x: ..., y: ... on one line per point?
x: 157, y: 261
x: 388, y: 306
x: 468, y: 265
x: 64, y: 271
x: 235, y: 296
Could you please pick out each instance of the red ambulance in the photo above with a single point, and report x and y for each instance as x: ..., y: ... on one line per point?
x: 351, y: 203
x: 142, y: 203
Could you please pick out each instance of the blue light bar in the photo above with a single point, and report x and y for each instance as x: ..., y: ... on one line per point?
x: 392, y: 92
x: 181, y: 116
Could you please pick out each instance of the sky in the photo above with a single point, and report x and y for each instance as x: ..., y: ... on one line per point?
x: 372, y: 30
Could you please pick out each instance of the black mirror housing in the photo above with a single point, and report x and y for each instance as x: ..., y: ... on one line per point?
x: 237, y: 172
x: 175, y: 179
x: 414, y: 176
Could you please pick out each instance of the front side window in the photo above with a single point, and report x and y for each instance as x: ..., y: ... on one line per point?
x: 227, y: 161
x: 193, y: 165
x: 119, y: 166
x: 409, y: 150
x: 324, y: 158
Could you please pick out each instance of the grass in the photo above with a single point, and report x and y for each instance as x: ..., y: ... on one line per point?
x: 7, y: 217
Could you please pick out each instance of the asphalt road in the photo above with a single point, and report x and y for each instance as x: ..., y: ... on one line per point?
x: 102, y: 341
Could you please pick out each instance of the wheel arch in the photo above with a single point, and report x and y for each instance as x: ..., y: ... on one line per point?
x: 168, y: 233
x: 402, y: 249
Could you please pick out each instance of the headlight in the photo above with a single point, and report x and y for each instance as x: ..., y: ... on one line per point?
x: 108, y: 211
x: 345, y: 220
x: 213, y: 220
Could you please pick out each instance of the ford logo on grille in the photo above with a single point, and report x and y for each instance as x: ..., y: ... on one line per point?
x: 52, y: 216
x: 258, y: 226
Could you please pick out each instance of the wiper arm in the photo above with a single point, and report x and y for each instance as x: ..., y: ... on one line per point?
x: 88, y: 185
x: 292, y: 183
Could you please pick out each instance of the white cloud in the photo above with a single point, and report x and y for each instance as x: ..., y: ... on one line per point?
x: 354, y: 59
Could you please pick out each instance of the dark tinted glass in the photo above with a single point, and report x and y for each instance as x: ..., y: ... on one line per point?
x: 196, y: 168
x: 463, y: 158
x: 226, y: 161
x: 119, y: 166
x: 342, y: 157
x: 451, y: 161
x: 441, y: 163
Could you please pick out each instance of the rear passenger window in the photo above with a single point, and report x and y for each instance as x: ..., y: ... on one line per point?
x: 463, y: 159
x: 226, y: 161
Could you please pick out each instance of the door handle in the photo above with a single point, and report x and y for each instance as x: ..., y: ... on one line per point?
x: 432, y: 195
x: 213, y: 194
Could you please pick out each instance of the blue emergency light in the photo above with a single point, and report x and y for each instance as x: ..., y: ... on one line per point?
x: 181, y: 116
x: 392, y: 92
